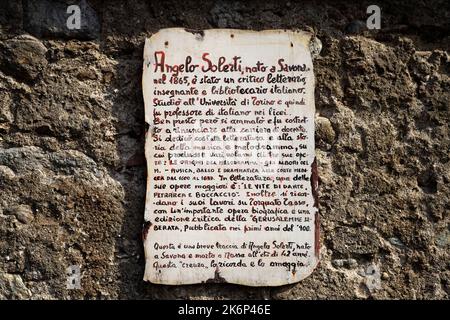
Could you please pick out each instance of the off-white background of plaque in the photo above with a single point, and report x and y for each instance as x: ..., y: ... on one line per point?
x: 251, y: 46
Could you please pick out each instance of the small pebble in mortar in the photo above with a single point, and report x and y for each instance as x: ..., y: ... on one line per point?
x: 315, y: 47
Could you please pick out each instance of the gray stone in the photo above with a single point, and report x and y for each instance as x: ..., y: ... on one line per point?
x: 315, y: 47
x: 226, y: 14
x: 356, y: 27
x: 324, y: 130
x: 23, y: 213
x: 45, y: 18
x: 344, y: 263
x: 443, y: 239
x: 396, y: 242
x: 6, y: 173
x: 356, y: 241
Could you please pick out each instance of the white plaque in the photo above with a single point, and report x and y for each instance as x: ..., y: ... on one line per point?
x: 231, y: 189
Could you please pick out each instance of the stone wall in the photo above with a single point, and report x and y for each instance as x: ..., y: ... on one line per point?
x: 72, y: 170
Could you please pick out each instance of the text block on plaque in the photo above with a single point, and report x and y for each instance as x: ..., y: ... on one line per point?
x: 231, y: 190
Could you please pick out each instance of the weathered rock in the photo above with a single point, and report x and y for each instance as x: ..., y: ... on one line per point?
x: 346, y: 263
x: 87, y: 74
x: 11, y: 16
x: 324, y: 131
x: 226, y: 14
x: 23, y: 57
x: 315, y: 47
x: 355, y: 241
x: 355, y: 27
x: 5, y: 107
x: 12, y: 287
x: 23, y: 213
x: 45, y: 18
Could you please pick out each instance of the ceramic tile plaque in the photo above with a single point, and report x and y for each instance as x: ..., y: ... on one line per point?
x: 231, y: 189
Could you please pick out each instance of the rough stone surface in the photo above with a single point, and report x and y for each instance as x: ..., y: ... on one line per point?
x: 72, y: 175
x: 12, y: 287
x: 23, y: 213
x: 49, y: 18
x: 23, y: 57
